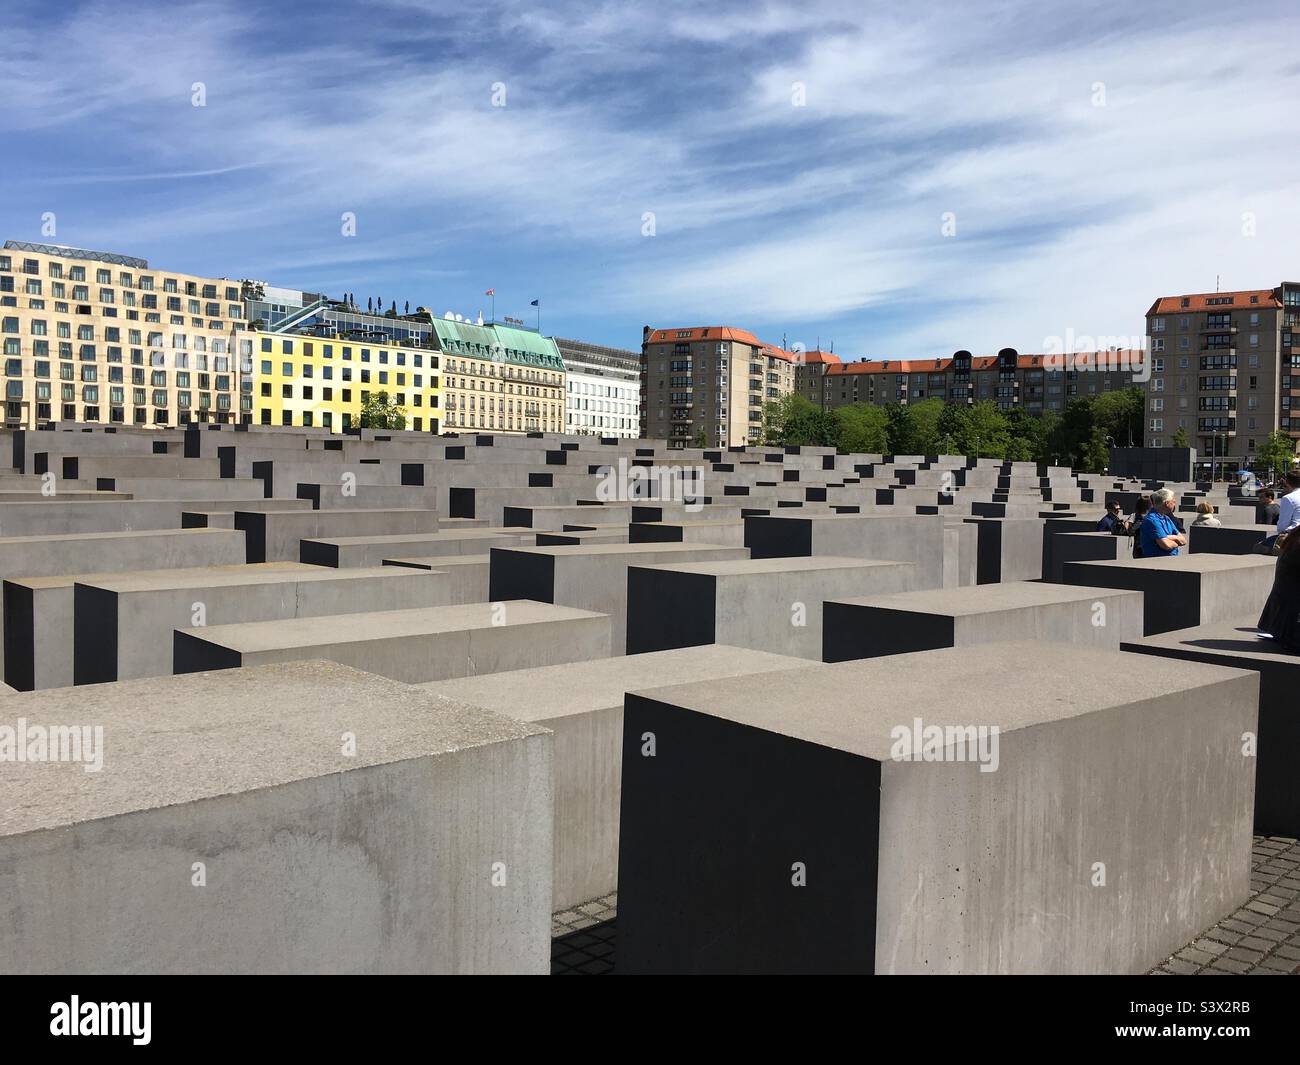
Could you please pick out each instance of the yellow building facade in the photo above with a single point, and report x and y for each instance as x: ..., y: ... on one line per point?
x: 310, y: 381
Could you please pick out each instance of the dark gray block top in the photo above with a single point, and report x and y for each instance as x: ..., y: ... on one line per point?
x: 1230, y: 643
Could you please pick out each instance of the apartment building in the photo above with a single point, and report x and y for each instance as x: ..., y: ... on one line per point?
x: 602, y: 389
x: 810, y: 367
x: 323, y: 381
x: 1034, y: 383
x: 1225, y: 368
x: 709, y: 383
x: 501, y: 378
x: 94, y: 336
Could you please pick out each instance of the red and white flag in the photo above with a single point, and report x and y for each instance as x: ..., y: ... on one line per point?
x: 490, y: 292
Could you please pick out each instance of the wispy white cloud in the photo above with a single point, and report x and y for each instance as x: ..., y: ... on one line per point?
x: 780, y: 217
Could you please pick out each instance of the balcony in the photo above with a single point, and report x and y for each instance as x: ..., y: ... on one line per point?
x: 1207, y: 328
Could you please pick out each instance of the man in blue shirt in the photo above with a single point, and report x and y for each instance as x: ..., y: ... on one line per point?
x: 1158, y: 534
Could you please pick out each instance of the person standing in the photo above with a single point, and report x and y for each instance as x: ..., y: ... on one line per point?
x: 1288, y: 516
x: 1268, y: 511
x: 1113, y: 520
x: 1158, y: 535
x: 1140, y: 509
x: 1281, y: 615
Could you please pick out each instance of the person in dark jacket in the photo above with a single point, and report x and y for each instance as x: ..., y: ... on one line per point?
x: 1113, y: 520
x: 1281, y: 616
x: 1140, y: 509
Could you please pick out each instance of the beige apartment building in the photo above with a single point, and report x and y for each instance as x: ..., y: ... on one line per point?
x: 712, y: 380
x: 500, y: 378
x: 1225, y: 368
x: 99, y: 337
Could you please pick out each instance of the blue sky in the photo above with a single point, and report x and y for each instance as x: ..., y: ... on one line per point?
x: 799, y: 160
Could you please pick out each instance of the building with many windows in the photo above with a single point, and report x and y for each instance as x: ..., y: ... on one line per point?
x: 309, y: 380
x: 602, y: 389
x: 497, y: 377
x: 1033, y: 383
x: 96, y: 336
x: 1225, y: 368
x: 708, y: 384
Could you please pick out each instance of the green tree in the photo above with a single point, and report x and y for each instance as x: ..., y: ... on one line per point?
x: 1119, y: 415
x: 902, y: 432
x: 926, y: 415
x: 864, y: 429
x: 986, y: 431
x: 1096, y: 452
x: 793, y: 420
x: 701, y: 439
x: 380, y: 412
x: 1180, y: 438
x: 952, y: 430
x: 1276, y: 455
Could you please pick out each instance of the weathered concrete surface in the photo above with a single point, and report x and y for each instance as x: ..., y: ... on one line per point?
x: 910, y: 538
x: 51, y: 556
x: 772, y: 604
x: 934, y: 866
x: 314, y: 860
x: 582, y: 704
x: 874, y: 625
x: 345, y: 551
x: 590, y: 577
x: 276, y: 535
x: 1235, y: 644
x: 1182, y: 591
x: 466, y: 575
x: 124, y: 624
x: 432, y: 643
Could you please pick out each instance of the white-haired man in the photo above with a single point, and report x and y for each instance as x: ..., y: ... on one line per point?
x: 1159, y: 534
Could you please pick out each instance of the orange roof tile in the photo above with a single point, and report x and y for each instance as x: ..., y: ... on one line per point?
x: 1264, y: 297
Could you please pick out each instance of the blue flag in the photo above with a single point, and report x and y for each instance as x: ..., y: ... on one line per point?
x: 535, y: 303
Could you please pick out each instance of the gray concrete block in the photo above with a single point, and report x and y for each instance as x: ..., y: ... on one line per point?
x: 781, y: 828
x: 277, y: 535
x: 874, y: 625
x: 431, y: 643
x: 591, y: 577
x: 1182, y: 591
x: 772, y: 604
x: 914, y: 538
x: 37, y: 636
x: 1235, y: 644
x: 124, y: 624
x: 582, y: 704
x: 466, y: 575
x: 314, y: 860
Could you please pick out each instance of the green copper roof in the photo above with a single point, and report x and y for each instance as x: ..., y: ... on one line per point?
x: 523, y: 347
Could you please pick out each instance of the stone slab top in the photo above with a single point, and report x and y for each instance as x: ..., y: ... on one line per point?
x: 345, y: 510
x: 252, y: 575
x: 249, y: 637
x: 988, y: 598
x: 443, y: 536
x: 137, y: 534
x: 548, y: 692
x: 182, y: 576
x: 1197, y: 563
x: 709, y: 523
x: 172, y: 740
x: 437, y: 562
x: 579, y: 550
x: 742, y: 567
x: 854, y: 706
x: 1229, y: 643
